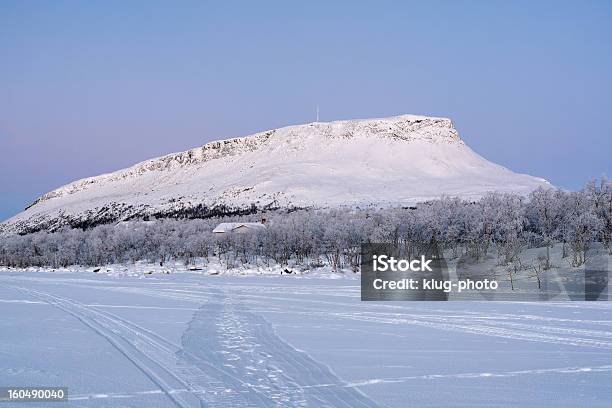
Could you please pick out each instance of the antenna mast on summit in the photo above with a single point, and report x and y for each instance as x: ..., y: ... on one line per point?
x: 317, y: 113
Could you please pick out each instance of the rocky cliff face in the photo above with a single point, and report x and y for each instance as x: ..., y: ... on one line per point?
x: 391, y: 161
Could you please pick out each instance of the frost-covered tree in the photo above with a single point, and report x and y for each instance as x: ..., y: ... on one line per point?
x: 599, y: 193
x: 582, y: 225
x: 544, y: 211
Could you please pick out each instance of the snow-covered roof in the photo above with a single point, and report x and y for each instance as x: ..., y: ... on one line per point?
x: 232, y: 226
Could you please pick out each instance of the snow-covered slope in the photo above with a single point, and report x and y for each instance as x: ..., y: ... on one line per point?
x: 392, y: 161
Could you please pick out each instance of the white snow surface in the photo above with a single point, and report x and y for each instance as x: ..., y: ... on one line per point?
x: 399, y: 160
x: 190, y: 340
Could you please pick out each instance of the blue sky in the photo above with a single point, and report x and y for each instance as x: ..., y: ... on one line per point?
x: 90, y: 87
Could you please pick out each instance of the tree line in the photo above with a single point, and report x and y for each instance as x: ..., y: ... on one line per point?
x: 500, y: 222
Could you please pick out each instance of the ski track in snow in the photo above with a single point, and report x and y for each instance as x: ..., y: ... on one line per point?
x: 515, y: 327
x: 246, y: 345
x: 229, y: 357
x: 511, y: 326
x: 152, y: 355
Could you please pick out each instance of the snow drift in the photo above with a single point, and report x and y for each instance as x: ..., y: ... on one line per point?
x: 393, y: 161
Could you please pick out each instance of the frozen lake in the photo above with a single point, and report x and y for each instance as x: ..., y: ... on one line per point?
x: 189, y: 340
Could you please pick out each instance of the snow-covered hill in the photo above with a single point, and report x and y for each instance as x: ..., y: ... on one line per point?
x: 392, y: 161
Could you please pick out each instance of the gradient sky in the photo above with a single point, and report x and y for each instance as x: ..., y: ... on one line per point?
x: 90, y: 87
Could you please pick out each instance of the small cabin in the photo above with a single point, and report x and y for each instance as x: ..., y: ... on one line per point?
x: 239, y: 227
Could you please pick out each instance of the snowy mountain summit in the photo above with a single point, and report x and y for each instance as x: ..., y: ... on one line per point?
x: 394, y: 161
